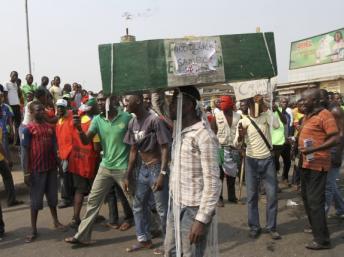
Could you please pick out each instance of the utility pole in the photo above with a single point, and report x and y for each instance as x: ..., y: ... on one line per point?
x: 28, y: 36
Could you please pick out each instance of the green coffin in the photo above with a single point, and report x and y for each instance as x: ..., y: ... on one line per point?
x: 167, y: 63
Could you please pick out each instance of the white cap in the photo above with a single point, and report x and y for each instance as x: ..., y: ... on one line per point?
x: 61, y: 102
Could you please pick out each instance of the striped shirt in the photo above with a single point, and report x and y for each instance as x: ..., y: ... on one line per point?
x: 40, y: 141
x: 318, y: 127
x: 199, y: 176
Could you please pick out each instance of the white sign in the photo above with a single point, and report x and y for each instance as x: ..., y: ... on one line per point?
x: 194, y: 57
x: 194, y: 61
x: 248, y: 89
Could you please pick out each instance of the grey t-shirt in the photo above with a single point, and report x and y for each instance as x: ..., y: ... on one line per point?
x: 149, y: 134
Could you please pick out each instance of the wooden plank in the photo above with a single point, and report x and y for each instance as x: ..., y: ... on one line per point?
x: 157, y: 64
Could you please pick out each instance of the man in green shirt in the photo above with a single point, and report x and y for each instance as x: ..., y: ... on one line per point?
x: 111, y: 126
x: 29, y: 87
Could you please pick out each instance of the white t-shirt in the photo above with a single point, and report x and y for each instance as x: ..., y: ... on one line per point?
x: 12, y: 93
x: 255, y: 145
x: 27, y: 115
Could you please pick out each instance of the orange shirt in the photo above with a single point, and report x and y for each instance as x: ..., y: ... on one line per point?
x: 317, y: 128
x: 83, y: 158
x: 64, y: 128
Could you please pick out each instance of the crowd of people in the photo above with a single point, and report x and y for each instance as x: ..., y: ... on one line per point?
x: 165, y: 159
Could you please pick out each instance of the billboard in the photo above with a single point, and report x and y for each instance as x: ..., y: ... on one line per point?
x: 321, y: 49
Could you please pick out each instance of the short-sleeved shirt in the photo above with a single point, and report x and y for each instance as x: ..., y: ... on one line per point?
x: 148, y: 134
x: 255, y: 145
x: 46, y: 90
x: 26, y: 89
x: 85, y: 119
x: 317, y: 128
x: 56, y: 93
x: 41, y: 143
x: 278, y: 134
x: 6, y: 114
x: 111, y: 133
x: 12, y: 93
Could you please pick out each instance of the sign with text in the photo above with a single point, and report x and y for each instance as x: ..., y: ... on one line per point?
x: 325, y: 48
x: 248, y: 89
x: 194, y: 57
x: 194, y: 61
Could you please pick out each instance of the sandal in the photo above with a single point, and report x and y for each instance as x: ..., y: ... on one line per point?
x: 113, y: 226
x: 74, y: 241
x: 30, y: 238
x: 140, y: 246
x: 125, y: 226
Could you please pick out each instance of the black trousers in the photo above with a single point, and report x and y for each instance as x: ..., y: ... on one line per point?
x: 67, y: 189
x: 230, y: 181
x: 2, y: 224
x: 313, y: 185
x: 284, y: 152
x: 8, y: 182
x: 112, y: 198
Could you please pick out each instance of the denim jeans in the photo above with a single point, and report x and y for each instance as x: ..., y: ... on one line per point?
x: 187, y: 218
x: 146, y: 178
x: 332, y: 192
x: 261, y: 170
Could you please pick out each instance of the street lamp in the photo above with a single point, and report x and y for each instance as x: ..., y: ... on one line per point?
x: 28, y: 35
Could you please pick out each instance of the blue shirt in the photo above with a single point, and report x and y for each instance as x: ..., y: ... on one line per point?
x: 6, y: 114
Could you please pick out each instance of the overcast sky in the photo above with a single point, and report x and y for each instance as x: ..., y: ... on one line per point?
x: 65, y: 33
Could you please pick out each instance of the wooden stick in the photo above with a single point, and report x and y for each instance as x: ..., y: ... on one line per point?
x: 242, y: 170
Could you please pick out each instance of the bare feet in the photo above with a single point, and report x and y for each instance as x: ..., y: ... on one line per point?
x: 140, y: 246
x: 58, y: 226
x: 32, y: 237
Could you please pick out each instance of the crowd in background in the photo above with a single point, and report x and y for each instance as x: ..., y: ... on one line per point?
x: 112, y: 148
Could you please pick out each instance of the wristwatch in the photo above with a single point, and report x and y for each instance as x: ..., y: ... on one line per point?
x: 163, y: 172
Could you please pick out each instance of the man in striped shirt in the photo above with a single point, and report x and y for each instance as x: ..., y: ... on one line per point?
x: 38, y: 140
x: 317, y: 135
x: 196, y: 185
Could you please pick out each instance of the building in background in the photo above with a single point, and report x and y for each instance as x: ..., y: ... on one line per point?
x: 315, y: 62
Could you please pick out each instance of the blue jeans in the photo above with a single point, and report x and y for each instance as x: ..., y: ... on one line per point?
x: 332, y: 192
x: 261, y: 170
x: 187, y: 218
x: 146, y: 178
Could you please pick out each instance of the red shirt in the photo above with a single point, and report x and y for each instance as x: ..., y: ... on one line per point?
x: 39, y: 138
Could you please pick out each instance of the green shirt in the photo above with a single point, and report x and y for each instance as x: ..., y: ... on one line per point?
x: 111, y: 133
x: 27, y: 89
x: 277, y: 135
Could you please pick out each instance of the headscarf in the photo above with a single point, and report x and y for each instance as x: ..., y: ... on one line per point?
x: 226, y: 103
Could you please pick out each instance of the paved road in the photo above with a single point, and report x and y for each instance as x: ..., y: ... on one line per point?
x: 233, y: 240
